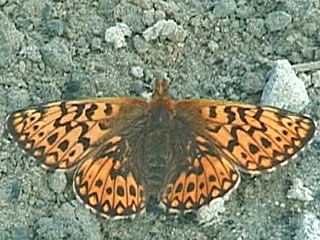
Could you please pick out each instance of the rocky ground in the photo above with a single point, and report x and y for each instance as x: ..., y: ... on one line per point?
x: 54, y: 50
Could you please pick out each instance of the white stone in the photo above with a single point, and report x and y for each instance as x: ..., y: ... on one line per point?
x: 117, y: 34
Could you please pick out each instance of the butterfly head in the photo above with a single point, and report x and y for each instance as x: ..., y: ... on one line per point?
x: 161, y: 90
x: 161, y: 106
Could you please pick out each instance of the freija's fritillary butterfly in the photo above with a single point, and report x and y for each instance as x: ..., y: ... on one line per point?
x: 184, y: 154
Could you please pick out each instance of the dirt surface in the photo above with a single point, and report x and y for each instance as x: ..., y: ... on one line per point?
x: 54, y: 50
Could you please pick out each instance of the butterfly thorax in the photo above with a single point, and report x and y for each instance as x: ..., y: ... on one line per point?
x: 160, y: 116
x: 161, y: 107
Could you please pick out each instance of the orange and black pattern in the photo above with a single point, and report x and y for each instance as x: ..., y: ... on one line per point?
x: 185, y: 154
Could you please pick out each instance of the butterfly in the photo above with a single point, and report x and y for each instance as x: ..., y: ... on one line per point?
x: 183, y: 154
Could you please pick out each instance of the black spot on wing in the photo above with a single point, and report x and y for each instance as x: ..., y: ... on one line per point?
x: 90, y: 111
x: 213, y: 112
x: 265, y: 142
x: 108, y: 109
x: 230, y: 115
x: 63, y: 145
x: 253, y: 149
x: 51, y: 140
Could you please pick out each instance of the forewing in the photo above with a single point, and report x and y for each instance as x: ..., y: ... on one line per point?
x: 61, y: 134
x: 254, y: 138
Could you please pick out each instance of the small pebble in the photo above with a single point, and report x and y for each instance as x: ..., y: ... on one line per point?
x: 308, y: 228
x: 284, y: 89
x: 56, y: 55
x: 165, y: 28
x: 316, y: 79
x: 299, y: 192
x: 278, y: 20
x: 57, y: 182
x: 55, y: 27
x: 137, y: 71
x: 252, y: 82
x: 117, y: 34
x: 209, y: 215
x: 224, y: 8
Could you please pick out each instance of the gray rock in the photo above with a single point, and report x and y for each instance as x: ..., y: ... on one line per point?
x: 117, y: 34
x: 278, y: 20
x: 9, y: 34
x: 56, y: 55
x: 308, y: 228
x: 3, y: 2
x: 19, y: 233
x: 8, y: 191
x: 310, y: 29
x: 31, y: 52
x: 209, y: 215
x: 137, y: 71
x: 166, y: 29
x: 68, y: 223
x: 148, y: 17
x: 96, y: 43
x: 299, y: 192
x: 154, y: 32
x: 6, y: 55
x: 159, y: 15
x: 224, y: 8
x: 169, y: 27
x: 136, y: 86
x: 252, y: 82
x: 18, y: 99
x: 140, y: 45
x: 256, y: 26
x: 316, y: 79
x: 80, y: 85
x: 245, y: 11
x: 55, y: 27
x: 57, y: 182
x: 284, y: 89
x: 10, y: 40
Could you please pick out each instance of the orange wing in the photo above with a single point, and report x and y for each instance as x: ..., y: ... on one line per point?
x: 203, y: 179
x: 61, y: 134
x: 212, y: 138
x: 96, y: 134
x: 254, y: 138
x: 201, y: 148
x: 108, y: 182
x: 197, y: 174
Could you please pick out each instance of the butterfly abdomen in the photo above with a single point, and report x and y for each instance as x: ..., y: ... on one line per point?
x: 155, y: 164
x: 155, y: 173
